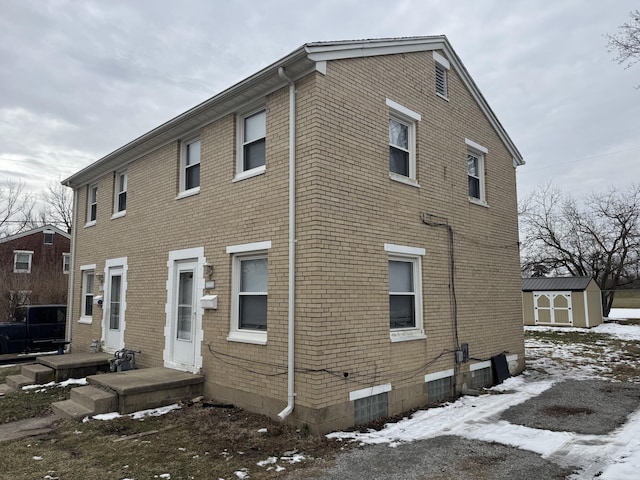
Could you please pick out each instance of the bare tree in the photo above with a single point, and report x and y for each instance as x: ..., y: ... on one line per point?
x: 16, y: 207
x: 599, y: 237
x: 626, y: 43
x: 58, y: 206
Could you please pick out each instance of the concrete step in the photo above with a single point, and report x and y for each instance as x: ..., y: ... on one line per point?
x: 38, y: 373
x: 4, y: 388
x: 95, y: 399
x: 18, y: 381
x: 70, y: 409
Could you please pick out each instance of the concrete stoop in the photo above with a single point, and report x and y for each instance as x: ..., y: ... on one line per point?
x: 130, y: 391
x: 32, y: 374
x: 85, y: 401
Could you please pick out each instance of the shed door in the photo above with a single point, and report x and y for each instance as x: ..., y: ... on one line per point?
x: 552, y: 308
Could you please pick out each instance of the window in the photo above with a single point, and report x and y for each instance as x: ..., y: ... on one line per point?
x: 405, y: 292
x: 475, y: 171
x: 442, y: 67
x: 120, y: 194
x: 86, y: 309
x: 249, y: 292
x: 402, y: 143
x: 22, y: 261
x: 48, y: 237
x: 66, y: 262
x: 252, y: 151
x: 190, y: 167
x: 92, y: 204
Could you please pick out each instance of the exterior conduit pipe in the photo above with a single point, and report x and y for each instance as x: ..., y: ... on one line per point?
x: 72, y: 267
x: 292, y: 249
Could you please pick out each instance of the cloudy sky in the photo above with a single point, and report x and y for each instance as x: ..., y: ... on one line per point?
x: 78, y: 79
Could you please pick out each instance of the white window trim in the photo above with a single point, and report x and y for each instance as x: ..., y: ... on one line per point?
x: 369, y: 392
x: 240, y: 252
x: 182, y: 192
x: 409, y: 118
x: 90, y: 222
x: 480, y: 152
x: 241, y: 173
x: 479, y: 365
x: 64, y: 257
x: 86, y: 319
x: 116, y: 193
x: 430, y: 377
x: 413, y: 254
x: 15, y: 260
x: 121, y: 262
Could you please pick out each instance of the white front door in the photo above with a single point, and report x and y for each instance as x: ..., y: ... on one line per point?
x: 184, y: 316
x: 113, y: 302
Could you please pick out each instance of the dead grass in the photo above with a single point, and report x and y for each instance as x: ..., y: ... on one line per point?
x: 6, y: 371
x: 626, y: 299
x: 191, y: 443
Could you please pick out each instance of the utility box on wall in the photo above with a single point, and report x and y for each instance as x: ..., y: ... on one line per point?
x: 209, y: 302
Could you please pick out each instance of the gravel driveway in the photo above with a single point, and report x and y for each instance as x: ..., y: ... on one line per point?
x: 590, y: 407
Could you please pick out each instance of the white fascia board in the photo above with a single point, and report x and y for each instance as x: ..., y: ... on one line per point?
x: 370, y: 48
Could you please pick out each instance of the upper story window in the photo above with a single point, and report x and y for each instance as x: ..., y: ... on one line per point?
x: 48, y: 237
x: 249, y: 292
x: 66, y: 262
x: 475, y: 171
x: 120, y: 194
x: 405, y: 292
x: 402, y: 143
x: 92, y: 204
x: 442, y: 68
x: 190, y: 167
x: 22, y: 261
x: 252, y: 149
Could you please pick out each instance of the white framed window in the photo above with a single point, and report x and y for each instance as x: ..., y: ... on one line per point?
x: 252, y: 131
x: 22, y: 261
x: 86, y: 309
x: 189, y: 167
x: 442, y: 68
x: 92, y: 204
x: 48, y: 237
x: 249, y: 290
x: 120, y: 194
x: 405, y: 292
x: 475, y: 171
x: 402, y: 143
x: 66, y: 262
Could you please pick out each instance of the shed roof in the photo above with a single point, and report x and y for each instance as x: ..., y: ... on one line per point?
x: 554, y: 284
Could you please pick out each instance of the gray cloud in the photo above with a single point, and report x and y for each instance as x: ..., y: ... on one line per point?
x: 80, y: 79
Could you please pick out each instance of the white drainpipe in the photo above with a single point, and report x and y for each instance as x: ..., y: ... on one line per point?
x: 291, y: 395
x: 72, y: 267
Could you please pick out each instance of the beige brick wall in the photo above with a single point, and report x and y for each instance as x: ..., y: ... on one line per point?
x: 347, y: 209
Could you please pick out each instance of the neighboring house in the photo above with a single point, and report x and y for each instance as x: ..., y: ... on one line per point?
x: 34, y: 268
x: 561, y: 301
x: 318, y: 240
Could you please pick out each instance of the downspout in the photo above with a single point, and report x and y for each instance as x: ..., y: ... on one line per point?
x: 72, y: 267
x: 292, y: 248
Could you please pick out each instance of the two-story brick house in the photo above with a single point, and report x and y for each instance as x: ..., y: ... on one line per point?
x: 34, y: 268
x: 319, y: 240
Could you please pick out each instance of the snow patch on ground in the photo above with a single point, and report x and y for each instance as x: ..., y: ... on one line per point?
x: 615, y: 456
x: 152, y: 412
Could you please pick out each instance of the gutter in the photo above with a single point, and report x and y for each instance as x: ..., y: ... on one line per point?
x: 291, y: 395
x: 72, y: 272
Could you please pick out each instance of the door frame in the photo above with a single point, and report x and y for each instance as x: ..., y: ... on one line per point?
x: 176, y: 257
x: 111, y: 264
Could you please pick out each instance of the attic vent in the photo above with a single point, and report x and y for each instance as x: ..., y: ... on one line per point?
x: 441, y: 80
x: 48, y: 237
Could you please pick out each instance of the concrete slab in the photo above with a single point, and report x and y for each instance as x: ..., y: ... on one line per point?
x: 73, y: 360
x: 38, y: 373
x: 26, y: 428
x: 145, y: 380
x: 18, y: 381
x: 95, y: 399
x: 70, y: 409
x: 4, y: 388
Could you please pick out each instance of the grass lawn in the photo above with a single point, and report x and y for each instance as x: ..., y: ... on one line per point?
x: 626, y: 299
